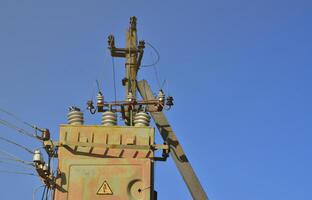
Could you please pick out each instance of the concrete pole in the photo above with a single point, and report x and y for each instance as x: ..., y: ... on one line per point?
x: 131, y: 59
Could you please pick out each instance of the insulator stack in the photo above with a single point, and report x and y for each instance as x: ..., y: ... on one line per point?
x: 75, y: 116
x: 109, y: 118
x: 142, y: 119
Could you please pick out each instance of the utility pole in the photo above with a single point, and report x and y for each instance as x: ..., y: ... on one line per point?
x: 133, y: 54
x: 111, y: 161
x: 131, y: 59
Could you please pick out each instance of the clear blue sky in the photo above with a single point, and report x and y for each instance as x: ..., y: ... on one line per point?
x: 240, y: 72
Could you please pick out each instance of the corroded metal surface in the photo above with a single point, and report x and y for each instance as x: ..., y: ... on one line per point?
x: 89, y: 171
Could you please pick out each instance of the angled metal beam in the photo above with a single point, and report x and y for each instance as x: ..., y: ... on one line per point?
x: 176, y: 151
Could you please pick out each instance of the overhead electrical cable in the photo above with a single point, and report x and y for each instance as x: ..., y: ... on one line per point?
x: 18, y: 164
x: 18, y: 172
x: 14, y: 158
x: 44, y: 192
x: 16, y: 144
x: 16, y: 117
x: 19, y: 130
x: 36, y: 190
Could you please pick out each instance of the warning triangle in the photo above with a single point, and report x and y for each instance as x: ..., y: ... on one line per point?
x: 105, y: 189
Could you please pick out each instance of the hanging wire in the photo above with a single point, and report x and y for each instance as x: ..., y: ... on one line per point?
x: 36, y: 190
x: 47, y: 193
x: 14, y: 158
x: 16, y: 144
x: 114, y: 79
x: 157, y: 53
x: 157, y: 76
x: 16, y: 117
x: 18, y: 172
x: 19, y: 130
x: 20, y: 120
x: 18, y: 164
x: 43, y: 193
x: 29, y: 165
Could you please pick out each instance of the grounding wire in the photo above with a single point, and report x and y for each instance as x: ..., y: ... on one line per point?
x: 20, y: 130
x: 16, y: 144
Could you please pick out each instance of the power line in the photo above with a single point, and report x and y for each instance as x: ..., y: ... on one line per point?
x: 20, y: 130
x: 18, y: 164
x: 14, y: 158
x: 36, y: 190
x: 16, y: 144
x: 43, y: 193
x: 18, y: 172
x: 16, y: 117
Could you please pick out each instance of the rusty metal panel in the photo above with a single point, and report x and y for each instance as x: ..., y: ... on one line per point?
x: 98, y: 162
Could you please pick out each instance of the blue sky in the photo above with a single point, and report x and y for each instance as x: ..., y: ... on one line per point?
x: 240, y: 73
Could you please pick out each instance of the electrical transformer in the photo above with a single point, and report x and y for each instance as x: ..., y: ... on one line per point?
x: 105, y: 162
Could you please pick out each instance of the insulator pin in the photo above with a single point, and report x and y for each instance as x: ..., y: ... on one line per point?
x: 161, y: 96
x: 100, y: 98
x: 130, y: 97
x: 75, y: 116
x: 142, y: 119
x: 109, y: 118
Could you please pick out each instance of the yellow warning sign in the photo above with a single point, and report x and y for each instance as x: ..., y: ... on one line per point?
x: 105, y: 189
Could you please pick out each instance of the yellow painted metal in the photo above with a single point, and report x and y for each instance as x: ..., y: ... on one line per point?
x: 91, y: 170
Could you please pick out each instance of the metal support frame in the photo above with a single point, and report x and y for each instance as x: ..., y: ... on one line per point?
x: 176, y: 150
